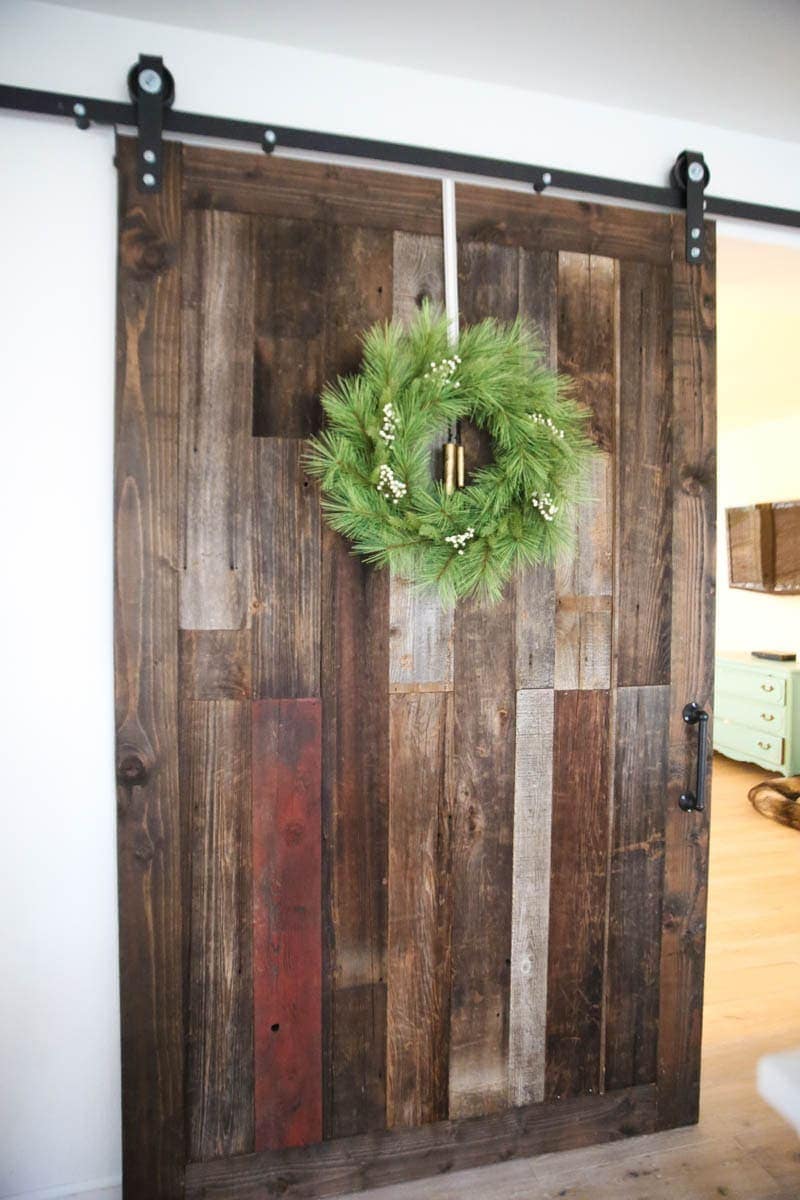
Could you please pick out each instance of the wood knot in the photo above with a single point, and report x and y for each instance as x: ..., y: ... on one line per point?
x: 694, y: 481
x: 142, y: 251
x: 131, y: 770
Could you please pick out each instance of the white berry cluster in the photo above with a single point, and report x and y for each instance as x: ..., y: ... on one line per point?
x: 541, y: 419
x: 544, y: 502
x: 459, y: 540
x: 388, y: 430
x: 389, y: 486
x: 444, y: 370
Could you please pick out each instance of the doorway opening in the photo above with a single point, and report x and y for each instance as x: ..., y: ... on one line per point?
x: 753, y: 947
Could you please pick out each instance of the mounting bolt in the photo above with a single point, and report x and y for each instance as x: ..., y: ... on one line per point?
x: 695, y: 232
x: 695, y: 251
x: 79, y: 109
x: 270, y: 136
x: 149, y: 156
x: 547, y: 177
x: 696, y: 171
x: 148, y: 180
x: 150, y: 81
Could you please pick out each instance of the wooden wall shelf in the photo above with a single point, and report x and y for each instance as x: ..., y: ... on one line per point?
x: 764, y: 547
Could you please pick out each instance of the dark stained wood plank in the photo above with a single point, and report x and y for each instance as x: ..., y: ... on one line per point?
x: 519, y: 219
x: 287, y: 922
x: 421, y: 630
x: 692, y: 673
x: 311, y: 191
x: 538, y: 297
x: 359, y: 277
x: 637, y: 872
x: 536, y: 600
x: 530, y: 916
x: 290, y: 327
x: 488, y: 283
x: 379, y: 1159
x: 355, y: 672
x: 643, y: 544
x: 355, y: 675
x: 216, y: 420
x: 420, y: 908
x: 286, y: 555
x: 485, y: 668
x: 587, y: 336
x: 215, y: 664
x: 215, y: 777
x: 579, y: 864
x: 149, y: 829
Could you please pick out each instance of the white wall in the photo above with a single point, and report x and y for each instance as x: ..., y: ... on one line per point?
x: 59, y: 1109
x: 59, y: 1106
x: 755, y: 464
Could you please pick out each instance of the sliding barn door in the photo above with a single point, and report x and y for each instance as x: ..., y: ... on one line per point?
x: 401, y: 889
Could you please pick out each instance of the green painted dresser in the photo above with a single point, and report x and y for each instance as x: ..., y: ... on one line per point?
x: 757, y: 712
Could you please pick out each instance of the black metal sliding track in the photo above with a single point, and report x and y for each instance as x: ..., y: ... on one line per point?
x: 86, y: 110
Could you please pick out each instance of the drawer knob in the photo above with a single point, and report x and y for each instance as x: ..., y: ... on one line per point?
x: 768, y: 716
x: 765, y: 745
x: 768, y: 687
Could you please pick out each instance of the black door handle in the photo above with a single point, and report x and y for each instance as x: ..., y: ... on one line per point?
x: 693, y: 714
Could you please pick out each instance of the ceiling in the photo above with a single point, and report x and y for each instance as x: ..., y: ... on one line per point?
x: 731, y: 63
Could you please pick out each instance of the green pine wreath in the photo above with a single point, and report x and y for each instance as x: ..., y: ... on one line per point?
x: 373, y: 457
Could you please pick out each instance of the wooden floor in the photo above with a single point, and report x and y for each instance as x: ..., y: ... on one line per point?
x: 740, y: 1150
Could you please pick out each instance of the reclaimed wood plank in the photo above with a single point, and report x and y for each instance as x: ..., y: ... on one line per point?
x: 587, y: 336
x: 286, y: 553
x: 400, y: 1155
x: 484, y: 706
x: 583, y: 588
x: 533, y: 794
x: 419, y: 908
x: 311, y: 191
x: 289, y: 327
x: 488, y: 286
x: 420, y: 629
x: 587, y: 351
x: 643, y: 543
x: 536, y: 599
x: 355, y: 671
x: 287, y: 922
x: 215, y: 664
x: 578, y: 871
x: 515, y: 218
x: 636, y: 881
x: 150, y: 834
x: 215, y: 774
x: 216, y: 420
x: 691, y: 675
x: 355, y: 675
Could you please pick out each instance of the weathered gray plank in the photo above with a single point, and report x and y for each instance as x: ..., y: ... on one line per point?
x: 216, y: 420
x: 421, y: 630
x: 533, y: 798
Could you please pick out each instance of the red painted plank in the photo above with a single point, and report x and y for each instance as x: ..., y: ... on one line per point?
x: 287, y: 922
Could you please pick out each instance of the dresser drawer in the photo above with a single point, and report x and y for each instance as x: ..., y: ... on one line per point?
x: 747, y: 743
x: 756, y: 685
x: 754, y: 713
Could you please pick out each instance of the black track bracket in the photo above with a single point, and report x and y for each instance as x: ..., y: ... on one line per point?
x: 691, y: 174
x: 152, y: 90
